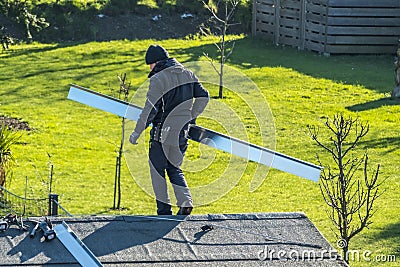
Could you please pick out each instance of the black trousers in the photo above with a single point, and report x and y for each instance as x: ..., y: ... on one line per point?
x: 167, y: 159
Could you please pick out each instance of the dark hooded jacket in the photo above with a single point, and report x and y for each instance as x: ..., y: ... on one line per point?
x: 175, y: 97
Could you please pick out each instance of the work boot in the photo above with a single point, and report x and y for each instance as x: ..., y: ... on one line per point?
x: 163, y: 208
x: 184, y: 210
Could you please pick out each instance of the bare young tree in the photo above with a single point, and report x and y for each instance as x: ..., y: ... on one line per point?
x: 346, y: 185
x: 123, y: 94
x: 220, y: 23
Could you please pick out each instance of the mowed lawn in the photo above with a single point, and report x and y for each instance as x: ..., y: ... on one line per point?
x: 301, y: 88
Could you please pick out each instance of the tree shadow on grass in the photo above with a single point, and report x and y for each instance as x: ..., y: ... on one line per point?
x: 252, y: 53
x: 47, y: 69
x: 374, y: 104
x: 372, y: 71
x: 390, y: 233
x: 35, y: 49
x: 391, y: 144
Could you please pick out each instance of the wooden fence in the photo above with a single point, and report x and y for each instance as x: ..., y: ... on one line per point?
x: 330, y: 26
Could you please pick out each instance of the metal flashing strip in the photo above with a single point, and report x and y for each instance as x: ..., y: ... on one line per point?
x: 208, y: 137
x: 75, y: 246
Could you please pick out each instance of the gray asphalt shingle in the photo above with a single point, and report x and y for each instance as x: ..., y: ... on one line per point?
x: 262, y: 239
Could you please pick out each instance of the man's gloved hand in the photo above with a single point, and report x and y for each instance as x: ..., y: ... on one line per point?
x: 192, y: 121
x: 133, y: 138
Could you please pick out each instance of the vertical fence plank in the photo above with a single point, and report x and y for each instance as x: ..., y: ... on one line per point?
x: 277, y: 5
x: 254, y: 18
x: 302, y: 40
x: 326, y: 29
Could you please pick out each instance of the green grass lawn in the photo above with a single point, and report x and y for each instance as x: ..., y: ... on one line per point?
x: 301, y: 88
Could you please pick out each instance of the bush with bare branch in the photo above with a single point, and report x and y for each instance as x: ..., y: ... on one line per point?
x: 8, y: 138
x: 5, y: 38
x: 346, y: 185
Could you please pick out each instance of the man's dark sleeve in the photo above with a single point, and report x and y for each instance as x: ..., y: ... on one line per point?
x: 201, y: 98
x: 151, y: 107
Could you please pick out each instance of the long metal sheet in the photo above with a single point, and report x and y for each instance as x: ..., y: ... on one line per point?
x: 75, y: 246
x: 211, y: 138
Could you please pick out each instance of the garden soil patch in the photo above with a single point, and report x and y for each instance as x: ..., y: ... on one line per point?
x: 14, y: 123
x: 131, y: 26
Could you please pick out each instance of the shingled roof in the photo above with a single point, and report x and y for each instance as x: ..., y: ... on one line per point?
x: 261, y: 239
